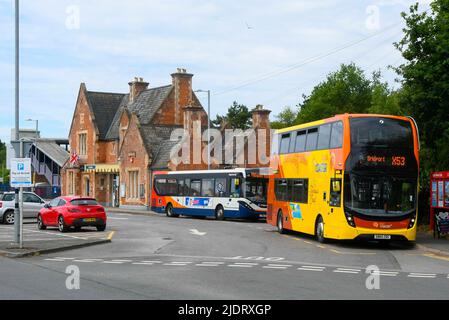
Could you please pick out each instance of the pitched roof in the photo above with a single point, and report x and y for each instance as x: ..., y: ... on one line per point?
x: 145, y: 107
x: 148, y: 102
x: 53, y: 150
x: 104, y: 107
x: 158, y: 144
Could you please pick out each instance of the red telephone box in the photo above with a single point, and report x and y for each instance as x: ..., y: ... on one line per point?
x: 439, y: 198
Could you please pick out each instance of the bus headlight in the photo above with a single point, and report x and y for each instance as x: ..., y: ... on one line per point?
x: 412, y: 222
x: 350, y: 219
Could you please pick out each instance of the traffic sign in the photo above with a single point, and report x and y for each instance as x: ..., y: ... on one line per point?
x: 20, y: 174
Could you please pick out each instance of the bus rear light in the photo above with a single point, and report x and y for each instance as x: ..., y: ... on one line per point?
x: 350, y: 219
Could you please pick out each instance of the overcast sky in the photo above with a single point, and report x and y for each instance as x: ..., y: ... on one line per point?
x: 250, y: 51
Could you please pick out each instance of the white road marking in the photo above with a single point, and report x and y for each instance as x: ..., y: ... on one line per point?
x: 386, y: 273
x: 64, y: 258
x: 242, y: 265
x: 52, y: 259
x: 346, y: 270
x: 56, y: 234
x: 113, y: 262
x: 117, y: 218
x: 119, y: 260
x: 310, y: 268
x: 87, y: 260
x: 197, y: 233
x: 206, y: 265
x: 421, y: 275
x: 144, y: 263
x: 151, y: 261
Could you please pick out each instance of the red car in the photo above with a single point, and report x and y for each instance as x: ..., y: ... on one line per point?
x: 67, y: 212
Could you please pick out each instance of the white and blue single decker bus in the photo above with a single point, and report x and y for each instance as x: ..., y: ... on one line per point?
x: 228, y: 193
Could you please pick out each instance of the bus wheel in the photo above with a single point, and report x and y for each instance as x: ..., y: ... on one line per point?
x: 280, y: 223
x: 169, y: 211
x: 219, y: 213
x: 319, y: 230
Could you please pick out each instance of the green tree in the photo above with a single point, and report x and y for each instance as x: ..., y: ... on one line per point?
x: 425, y: 81
x: 347, y: 90
x: 237, y: 117
x: 3, y: 172
x: 285, y: 118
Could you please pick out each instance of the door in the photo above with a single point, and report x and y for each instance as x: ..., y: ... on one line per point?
x: 51, y: 214
x: 31, y: 205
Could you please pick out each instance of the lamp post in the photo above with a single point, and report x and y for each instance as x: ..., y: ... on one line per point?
x: 208, y: 126
x: 35, y: 147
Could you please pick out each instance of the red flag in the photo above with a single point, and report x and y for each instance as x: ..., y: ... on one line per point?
x: 74, y: 158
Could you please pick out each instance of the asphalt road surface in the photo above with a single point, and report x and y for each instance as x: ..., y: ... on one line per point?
x: 155, y: 257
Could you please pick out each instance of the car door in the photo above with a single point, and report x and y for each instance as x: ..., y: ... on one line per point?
x: 52, y: 214
x: 31, y: 205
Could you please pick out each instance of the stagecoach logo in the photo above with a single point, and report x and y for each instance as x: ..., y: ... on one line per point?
x: 321, y: 167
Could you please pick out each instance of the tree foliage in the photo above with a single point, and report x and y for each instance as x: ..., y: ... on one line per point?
x: 238, y: 116
x: 425, y: 81
x: 3, y: 172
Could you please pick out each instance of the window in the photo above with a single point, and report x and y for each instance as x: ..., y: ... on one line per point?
x: 133, y: 184
x: 220, y: 187
x: 292, y: 143
x: 8, y: 197
x: 280, y: 189
x: 285, y: 143
x: 236, y: 188
x: 294, y: 190
x: 337, y: 135
x: 300, y: 190
x: 324, y: 136
x: 181, y: 190
x: 61, y: 203
x: 172, y: 187
x: 160, y: 185
x: 29, y: 197
x: 207, y: 189
x: 300, y: 144
x: 82, y: 147
x: 84, y: 202
x: 54, y: 202
x: 335, y: 194
x: 312, y: 137
x: 71, y: 183
x: 195, y: 188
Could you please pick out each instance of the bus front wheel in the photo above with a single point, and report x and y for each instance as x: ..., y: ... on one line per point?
x: 280, y: 223
x: 319, y: 230
x: 219, y: 213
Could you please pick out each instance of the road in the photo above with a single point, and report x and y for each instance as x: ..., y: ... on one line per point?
x: 155, y: 257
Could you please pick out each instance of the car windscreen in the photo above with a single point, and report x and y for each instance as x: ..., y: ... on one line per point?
x: 84, y: 202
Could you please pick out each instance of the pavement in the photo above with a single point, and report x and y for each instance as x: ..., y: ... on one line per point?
x: 156, y: 257
x: 426, y: 241
x: 37, y: 242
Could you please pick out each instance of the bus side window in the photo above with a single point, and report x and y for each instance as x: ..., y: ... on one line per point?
x: 335, y: 194
x: 220, y: 187
x: 336, y: 135
x: 181, y: 187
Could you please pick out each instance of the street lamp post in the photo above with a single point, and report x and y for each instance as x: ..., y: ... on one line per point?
x: 208, y: 126
x: 35, y: 147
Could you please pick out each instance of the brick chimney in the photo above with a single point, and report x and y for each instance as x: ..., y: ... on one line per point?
x: 182, y: 83
x: 261, y: 122
x: 136, y: 86
x: 261, y: 117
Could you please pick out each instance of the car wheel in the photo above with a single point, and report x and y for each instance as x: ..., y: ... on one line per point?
x: 219, y: 213
x: 61, y: 225
x: 280, y: 223
x: 8, y: 218
x: 319, y: 230
x: 101, y: 228
x: 40, y: 223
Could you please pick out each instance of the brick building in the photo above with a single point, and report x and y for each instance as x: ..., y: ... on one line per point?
x: 122, y: 138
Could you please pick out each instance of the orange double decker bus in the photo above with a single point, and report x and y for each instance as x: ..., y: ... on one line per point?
x: 353, y: 176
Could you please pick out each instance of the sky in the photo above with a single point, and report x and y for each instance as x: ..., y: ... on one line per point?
x: 249, y: 51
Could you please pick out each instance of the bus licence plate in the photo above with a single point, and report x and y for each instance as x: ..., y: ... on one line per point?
x: 382, y: 237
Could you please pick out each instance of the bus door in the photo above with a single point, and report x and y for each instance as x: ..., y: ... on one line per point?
x: 235, y: 192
